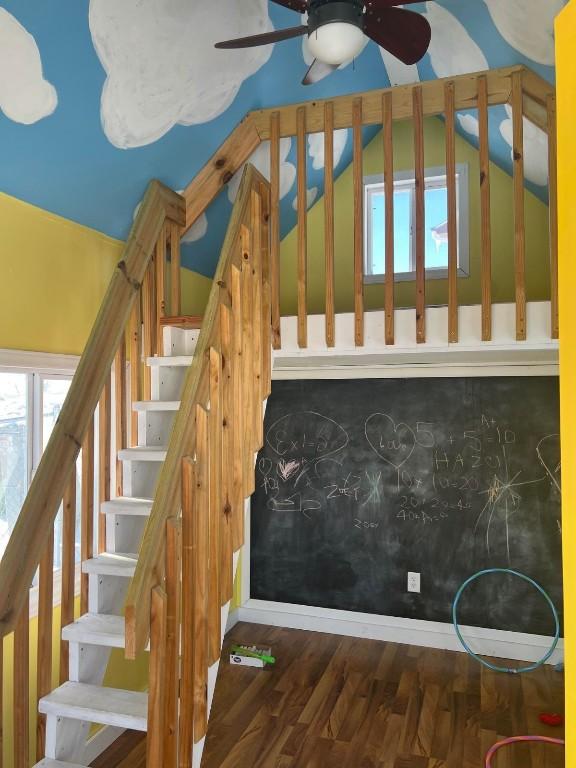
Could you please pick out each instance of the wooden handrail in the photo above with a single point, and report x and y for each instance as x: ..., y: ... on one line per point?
x: 36, y: 518
x: 167, y: 499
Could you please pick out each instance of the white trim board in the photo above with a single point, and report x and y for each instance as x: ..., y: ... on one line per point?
x: 41, y: 362
x: 429, y: 634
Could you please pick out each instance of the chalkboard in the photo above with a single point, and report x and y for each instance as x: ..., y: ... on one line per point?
x: 361, y: 481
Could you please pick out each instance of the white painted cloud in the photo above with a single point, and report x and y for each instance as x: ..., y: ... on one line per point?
x: 316, y: 147
x: 260, y: 159
x: 527, y: 25
x: 311, y: 195
x: 398, y: 72
x: 25, y: 96
x: 452, y: 50
x: 197, y: 230
x: 535, y: 149
x: 470, y: 124
x: 161, y: 65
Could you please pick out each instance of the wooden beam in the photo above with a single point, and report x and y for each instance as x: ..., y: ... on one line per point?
x: 239, y: 415
x: 135, y: 351
x: 257, y: 354
x: 228, y: 426
x: 519, y: 223
x: 44, y: 642
x: 215, y: 506
x: 329, y: 221
x: 86, y: 511
x: 186, y: 712
x: 68, y: 568
x: 21, y: 706
x: 389, y: 268
x: 37, y: 515
x: 275, y: 226
x: 452, y: 214
x: 419, y: 234
x: 358, y: 203
x: 553, y: 213
x: 266, y: 295
x: 172, y: 661
x: 302, y: 229
x: 160, y: 281
x: 120, y: 406
x: 148, y: 325
x: 201, y: 559
x: 157, y: 679
x: 485, y: 213
x: 104, y: 456
x: 175, y: 266
x: 465, y: 96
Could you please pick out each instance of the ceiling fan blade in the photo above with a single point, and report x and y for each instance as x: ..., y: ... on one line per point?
x: 318, y: 71
x: 264, y: 39
x: 301, y: 6
x: 405, y: 34
x: 373, y: 6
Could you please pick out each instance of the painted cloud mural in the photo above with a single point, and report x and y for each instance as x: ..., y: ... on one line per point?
x: 161, y: 65
x: 260, y: 159
x: 535, y: 149
x: 528, y: 26
x: 316, y: 147
x: 25, y: 96
x: 452, y: 50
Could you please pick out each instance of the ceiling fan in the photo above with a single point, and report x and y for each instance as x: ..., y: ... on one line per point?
x: 337, y: 29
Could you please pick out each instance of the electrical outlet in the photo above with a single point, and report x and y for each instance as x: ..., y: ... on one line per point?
x: 413, y: 582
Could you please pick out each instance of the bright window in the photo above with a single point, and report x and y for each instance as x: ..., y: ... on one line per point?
x: 436, y: 225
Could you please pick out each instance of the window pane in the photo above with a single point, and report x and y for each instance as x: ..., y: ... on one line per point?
x: 13, y: 450
x: 402, y: 203
x: 436, y: 228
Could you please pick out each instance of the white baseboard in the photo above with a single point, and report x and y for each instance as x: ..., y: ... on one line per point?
x: 233, y: 619
x: 429, y: 634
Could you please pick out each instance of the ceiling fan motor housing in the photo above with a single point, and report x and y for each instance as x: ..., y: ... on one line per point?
x: 323, y: 12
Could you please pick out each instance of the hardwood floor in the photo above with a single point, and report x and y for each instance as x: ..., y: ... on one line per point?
x: 340, y: 702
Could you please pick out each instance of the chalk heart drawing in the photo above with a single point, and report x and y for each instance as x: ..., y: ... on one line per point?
x: 548, y: 451
x: 393, y: 442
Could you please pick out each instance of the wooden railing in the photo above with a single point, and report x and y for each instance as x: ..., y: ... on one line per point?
x: 197, y: 517
x: 90, y: 424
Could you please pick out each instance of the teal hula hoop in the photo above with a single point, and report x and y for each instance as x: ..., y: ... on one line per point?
x: 482, y: 661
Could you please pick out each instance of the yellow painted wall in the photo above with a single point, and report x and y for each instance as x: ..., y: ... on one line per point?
x: 537, y: 275
x: 566, y: 95
x: 53, y: 276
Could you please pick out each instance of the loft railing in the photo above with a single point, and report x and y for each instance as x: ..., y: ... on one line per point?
x: 94, y: 418
x: 197, y: 518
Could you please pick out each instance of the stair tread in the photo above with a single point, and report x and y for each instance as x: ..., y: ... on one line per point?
x: 156, y: 405
x: 176, y: 361
x: 96, y: 629
x: 95, y: 704
x: 126, y: 505
x: 111, y: 564
x: 48, y: 763
x: 143, y: 453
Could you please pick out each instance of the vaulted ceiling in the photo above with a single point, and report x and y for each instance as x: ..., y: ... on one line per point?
x: 97, y: 97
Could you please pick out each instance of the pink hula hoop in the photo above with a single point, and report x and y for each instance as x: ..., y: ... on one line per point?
x: 515, y: 740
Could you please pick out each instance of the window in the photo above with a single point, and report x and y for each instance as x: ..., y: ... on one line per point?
x: 30, y: 403
x: 436, y: 225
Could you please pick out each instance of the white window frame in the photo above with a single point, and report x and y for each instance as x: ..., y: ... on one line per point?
x: 434, y: 177
x: 39, y: 366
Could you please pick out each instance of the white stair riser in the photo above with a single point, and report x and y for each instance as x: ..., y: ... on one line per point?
x: 140, y: 478
x: 106, y: 593
x: 154, y: 427
x: 65, y: 738
x: 178, y: 341
x: 87, y: 663
x: 124, y: 532
x: 167, y: 382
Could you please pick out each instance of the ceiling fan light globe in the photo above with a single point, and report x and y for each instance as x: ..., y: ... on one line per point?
x: 336, y: 42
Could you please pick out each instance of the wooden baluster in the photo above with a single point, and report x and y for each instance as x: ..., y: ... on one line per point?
x: 148, y: 326
x: 135, y: 367
x: 44, y: 643
x: 68, y: 568
x: 21, y: 707
x: 389, y: 268
x: 215, y: 491
x: 420, y: 215
x: 104, y: 449
x: 186, y: 715
x: 175, y: 263
x: 256, y: 304
x: 120, y: 410
x: 266, y: 297
x: 449, y: 109
x: 239, y: 416
x: 250, y: 444
x: 519, y: 224
x: 201, y: 544
x: 157, y: 680
x: 553, y: 211
x: 329, y: 221
x: 87, y: 511
x: 275, y: 226
x: 485, y: 213
x: 160, y: 264
x: 172, y: 661
x: 302, y: 228
x: 358, y: 181
x: 228, y: 427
